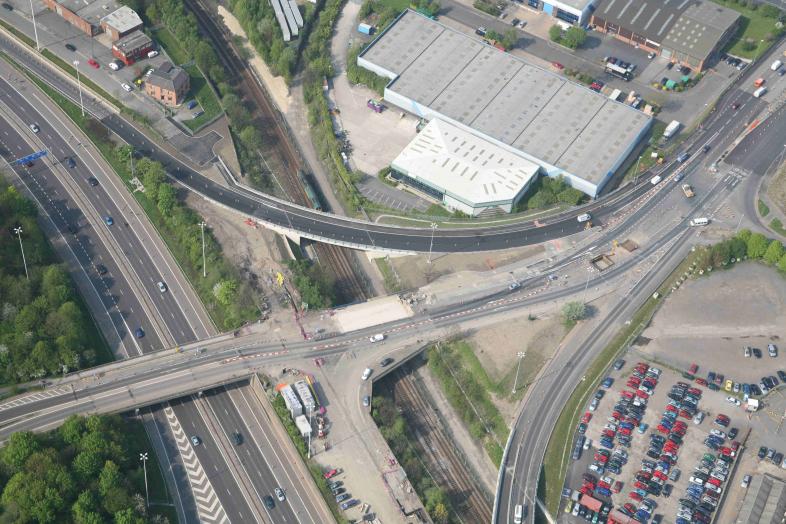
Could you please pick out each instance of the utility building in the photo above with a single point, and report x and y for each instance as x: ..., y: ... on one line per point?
x: 573, y: 12
x: 506, y: 106
x: 121, y: 22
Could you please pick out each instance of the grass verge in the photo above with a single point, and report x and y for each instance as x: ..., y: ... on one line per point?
x: 392, y: 283
x: 160, y: 502
x: 777, y: 226
x: 756, y: 30
x: 558, y: 450
x: 764, y: 210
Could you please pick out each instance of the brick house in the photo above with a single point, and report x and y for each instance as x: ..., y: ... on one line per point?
x: 168, y: 84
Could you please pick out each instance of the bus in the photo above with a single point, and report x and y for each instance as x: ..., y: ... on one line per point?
x: 619, y: 72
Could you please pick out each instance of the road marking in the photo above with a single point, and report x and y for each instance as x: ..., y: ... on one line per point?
x: 208, y: 505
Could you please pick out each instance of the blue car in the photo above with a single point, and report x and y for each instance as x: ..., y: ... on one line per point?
x: 605, y: 492
x: 192, y: 104
x: 607, y: 382
x: 109, y: 221
x: 746, y: 388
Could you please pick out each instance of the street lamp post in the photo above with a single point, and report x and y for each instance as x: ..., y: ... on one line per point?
x: 202, y: 225
x: 78, y: 83
x: 431, y: 244
x: 18, y: 231
x: 143, y: 458
x: 35, y: 28
x: 521, y: 355
x: 636, y: 179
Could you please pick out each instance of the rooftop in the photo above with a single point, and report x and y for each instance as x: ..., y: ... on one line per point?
x: 464, y: 165
x: 698, y: 30
x: 579, y: 5
x: 123, y: 19
x: 540, y: 113
x: 168, y: 76
x: 765, y: 501
x: 92, y: 11
x: 651, y: 19
x: 132, y: 42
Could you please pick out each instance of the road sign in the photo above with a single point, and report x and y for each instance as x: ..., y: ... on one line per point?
x: 29, y: 158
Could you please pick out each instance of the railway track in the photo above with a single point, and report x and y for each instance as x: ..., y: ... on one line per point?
x: 447, y: 468
x: 339, y: 261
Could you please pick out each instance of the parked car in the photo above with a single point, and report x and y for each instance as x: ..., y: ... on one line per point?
x: 70, y: 47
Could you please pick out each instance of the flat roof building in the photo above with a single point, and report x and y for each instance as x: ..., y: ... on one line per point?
x: 306, y: 398
x: 574, y: 12
x: 132, y: 47
x: 83, y: 14
x: 290, y: 399
x: 121, y: 22
x: 509, y: 104
x: 765, y: 501
x: 689, y: 32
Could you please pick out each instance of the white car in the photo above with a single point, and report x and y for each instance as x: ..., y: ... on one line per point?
x: 127, y: 88
x: 162, y: 287
x: 718, y: 433
x: 745, y: 481
x: 366, y: 374
x: 280, y: 494
x: 584, y: 217
x: 152, y: 54
x: 34, y: 128
x: 587, y: 444
x: 732, y: 400
x: 379, y: 337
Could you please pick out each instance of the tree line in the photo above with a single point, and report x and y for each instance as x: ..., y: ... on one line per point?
x: 44, y: 327
x: 85, y: 472
x: 744, y: 245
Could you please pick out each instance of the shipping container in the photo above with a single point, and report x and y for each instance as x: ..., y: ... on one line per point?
x: 366, y: 29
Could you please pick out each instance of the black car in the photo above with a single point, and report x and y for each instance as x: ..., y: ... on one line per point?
x: 101, y: 269
x: 8, y: 7
x: 70, y: 162
x: 669, y: 65
x: 269, y: 504
x: 667, y: 490
x: 762, y: 452
x: 599, y: 394
x: 777, y: 459
x: 238, y: 438
x: 70, y: 47
x: 618, y: 364
x: 733, y: 433
x: 93, y: 181
x: 755, y: 390
x: 386, y: 361
x: 756, y: 352
x: 782, y: 375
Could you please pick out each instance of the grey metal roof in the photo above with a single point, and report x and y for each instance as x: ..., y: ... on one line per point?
x: 575, y: 4
x: 91, y: 11
x: 698, y: 30
x: 651, y: 19
x: 123, y: 19
x: 168, y: 77
x: 133, y: 41
x: 765, y: 501
x: 506, y: 98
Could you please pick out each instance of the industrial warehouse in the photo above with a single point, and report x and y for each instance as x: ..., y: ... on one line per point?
x: 489, y: 102
x: 688, y: 32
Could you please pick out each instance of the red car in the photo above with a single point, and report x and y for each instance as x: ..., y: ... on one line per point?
x: 634, y: 380
x: 93, y: 63
x: 624, y: 431
x: 662, y: 429
x: 694, y: 391
x: 585, y: 490
x: 608, y: 433
x: 726, y: 451
x: 617, y: 487
x: 639, y: 485
x: 627, y: 394
x: 560, y: 67
x: 700, y: 381
x: 642, y: 394
x: 586, y: 417
x: 661, y: 475
x: 630, y: 507
x: 693, y: 369
x: 604, y: 484
x: 673, y: 409
x: 635, y: 496
x: 678, y: 432
x: 714, y: 481
x: 685, y: 414
x: 331, y: 473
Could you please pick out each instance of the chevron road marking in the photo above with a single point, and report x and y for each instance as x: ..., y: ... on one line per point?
x: 209, y: 507
x: 34, y: 397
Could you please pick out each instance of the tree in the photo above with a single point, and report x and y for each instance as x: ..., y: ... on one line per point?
x: 21, y: 445
x: 225, y: 291
x: 286, y: 63
x: 167, y: 199
x: 85, y: 510
x: 110, y: 479
x: 757, y: 245
x: 774, y: 253
x: 87, y: 465
x: 251, y: 138
x: 510, y: 39
x: 770, y: 11
x: 782, y: 263
x: 572, y: 312
x: 555, y: 33
x: 440, y: 513
x: 574, y: 37
x: 204, y: 56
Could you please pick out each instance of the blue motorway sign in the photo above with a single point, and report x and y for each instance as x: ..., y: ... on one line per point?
x: 29, y: 158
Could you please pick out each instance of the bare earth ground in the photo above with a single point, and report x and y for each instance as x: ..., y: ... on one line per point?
x: 254, y: 252
x: 415, y: 271
x: 711, y: 319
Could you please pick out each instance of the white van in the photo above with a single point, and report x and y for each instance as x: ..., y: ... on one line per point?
x: 152, y: 54
x: 379, y: 337
x: 776, y: 65
x: 584, y: 217
x: 760, y: 92
x: 699, y: 221
x: 518, y: 512
x: 655, y: 180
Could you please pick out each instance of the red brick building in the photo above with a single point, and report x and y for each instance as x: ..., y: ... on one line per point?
x: 132, y: 48
x: 85, y: 16
x: 168, y: 84
x: 121, y: 22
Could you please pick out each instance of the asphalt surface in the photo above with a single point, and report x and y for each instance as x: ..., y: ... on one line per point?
x: 47, y: 178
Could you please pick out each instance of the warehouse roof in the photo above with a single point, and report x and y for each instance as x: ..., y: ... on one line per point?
x: 122, y: 20
x: 651, y: 19
x: 464, y: 165
x: 579, y: 5
x: 93, y: 11
x: 765, y: 501
x: 542, y: 114
x: 132, y: 42
x: 698, y: 30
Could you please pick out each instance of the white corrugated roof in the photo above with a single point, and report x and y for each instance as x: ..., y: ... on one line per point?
x: 464, y: 165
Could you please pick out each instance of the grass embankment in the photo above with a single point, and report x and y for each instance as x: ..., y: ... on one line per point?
x: 777, y: 226
x: 227, y: 299
x: 647, y: 161
x: 558, y: 450
x: 466, y: 386
x: 757, y: 30
x: 764, y: 209
x: 200, y: 88
x: 391, y: 280
x: 302, y: 448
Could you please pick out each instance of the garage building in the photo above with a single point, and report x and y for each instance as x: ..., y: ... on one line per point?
x: 120, y: 23
x: 503, y: 103
x: 132, y: 47
x: 83, y: 14
x: 687, y: 32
